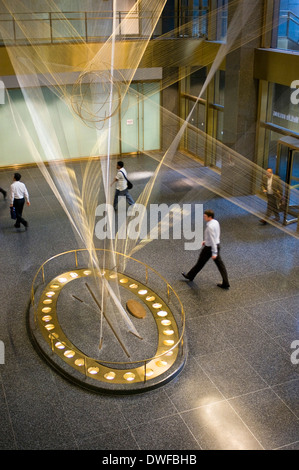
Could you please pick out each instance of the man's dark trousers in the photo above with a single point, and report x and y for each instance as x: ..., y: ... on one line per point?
x: 205, y: 255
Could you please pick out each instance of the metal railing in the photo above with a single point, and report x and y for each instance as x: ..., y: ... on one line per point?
x: 289, y: 26
x: 171, y: 295
x: 54, y: 27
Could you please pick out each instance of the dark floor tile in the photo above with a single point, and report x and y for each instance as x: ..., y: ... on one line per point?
x: 7, y: 437
x: 171, y: 434
x: 116, y: 440
x: 218, y: 427
x: 192, y: 388
x: 293, y: 446
x: 289, y: 344
x: 289, y: 394
x: 273, y: 318
x: 270, y: 361
x: 204, y: 337
x: 88, y: 411
x: 239, y: 328
x: 268, y: 418
x: 276, y: 285
x: 291, y: 305
x: 146, y: 407
x: 230, y: 372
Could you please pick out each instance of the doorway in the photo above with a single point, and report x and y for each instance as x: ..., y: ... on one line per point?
x: 287, y: 167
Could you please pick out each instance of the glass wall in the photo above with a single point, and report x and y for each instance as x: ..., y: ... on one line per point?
x: 222, y: 6
x: 140, y: 118
x: 191, y: 104
x: 179, y: 18
x: 287, y: 36
x: 219, y: 109
x: 282, y: 119
x: 136, y: 127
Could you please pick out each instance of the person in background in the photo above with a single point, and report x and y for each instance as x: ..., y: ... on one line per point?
x: 3, y: 192
x: 121, y: 186
x: 272, y: 186
x: 18, y: 196
x: 211, y: 249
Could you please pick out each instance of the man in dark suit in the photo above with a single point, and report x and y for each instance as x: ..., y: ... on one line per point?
x: 272, y: 186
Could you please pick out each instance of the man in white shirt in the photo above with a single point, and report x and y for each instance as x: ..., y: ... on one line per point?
x: 211, y: 249
x: 121, y: 186
x: 18, y: 195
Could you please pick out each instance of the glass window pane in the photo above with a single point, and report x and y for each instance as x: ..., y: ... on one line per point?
x: 288, y: 28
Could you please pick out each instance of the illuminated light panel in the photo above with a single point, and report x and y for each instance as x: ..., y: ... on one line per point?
x: 113, y: 276
x: 87, y: 272
x: 74, y: 275
x: 93, y: 370
x: 150, y: 298
x: 157, y: 305
x: 124, y: 280
x: 46, y: 309
x: 129, y: 376
x: 53, y: 335
x: 168, y: 332
x: 133, y: 286
x: 162, y: 313
x: 47, y: 318
x: 50, y: 294
x: 69, y: 353
x: 62, y: 280
x: 50, y: 327
x: 168, y: 342
x: 149, y: 373
x: 79, y: 362
x: 59, y: 345
x: 110, y: 375
x: 47, y: 301
x: 165, y: 322
x: 161, y: 363
x: 169, y: 353
x: 142, y: 292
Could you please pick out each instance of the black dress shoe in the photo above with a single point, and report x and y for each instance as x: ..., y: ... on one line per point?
x: 4, y: 195
x: 185, y: 276
x: 263, y: 222
x: 223, y: 286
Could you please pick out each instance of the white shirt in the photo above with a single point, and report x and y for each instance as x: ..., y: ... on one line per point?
x: 269, y: 185
x: 121, y: 183
x: 18, y: 190
x: 212, y: 235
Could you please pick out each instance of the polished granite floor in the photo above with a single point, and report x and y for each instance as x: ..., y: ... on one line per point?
x: 239, y: 388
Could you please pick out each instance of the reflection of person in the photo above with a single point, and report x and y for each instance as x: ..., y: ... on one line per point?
x: 3, y: 192
x: 271, y: 185
x: 211, y: 249
x: 18, y: 195
x: 121, y: 186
